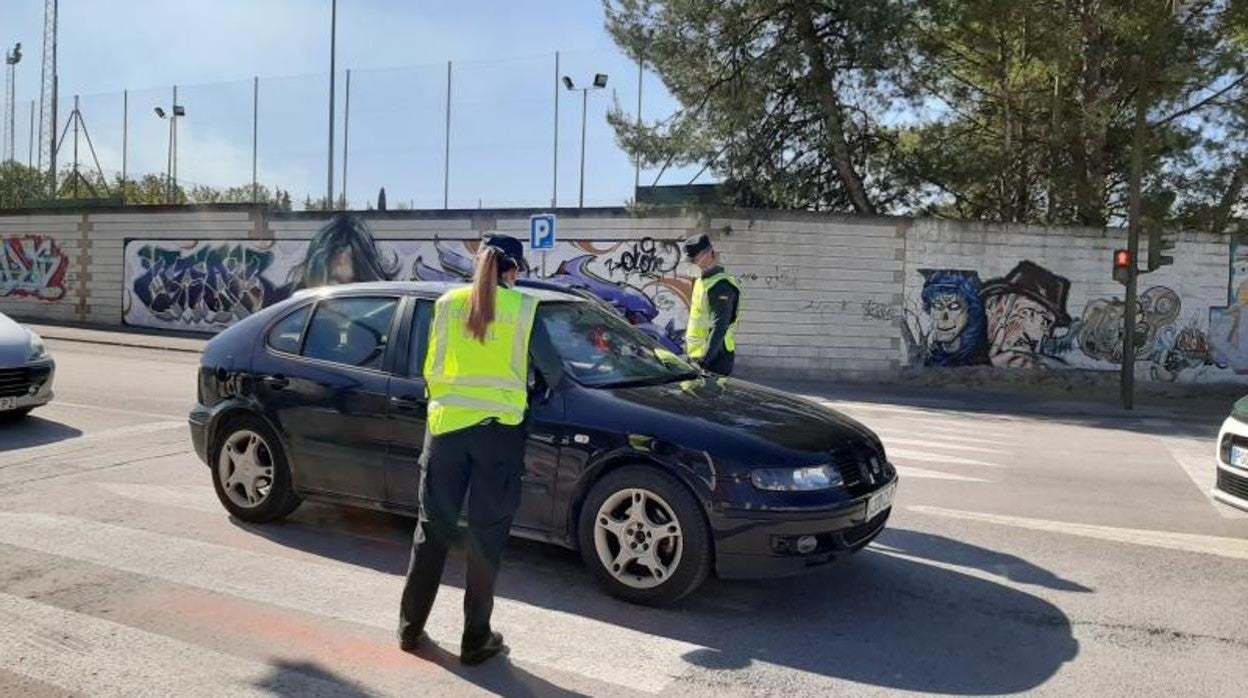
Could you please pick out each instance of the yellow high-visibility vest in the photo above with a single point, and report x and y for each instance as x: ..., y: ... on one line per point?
x: 702, y: 320
x: 471, y: 381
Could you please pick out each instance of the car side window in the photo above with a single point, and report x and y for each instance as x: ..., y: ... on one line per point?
x: 419, y: 344
x: 351, y: 331
x: 287, y: 334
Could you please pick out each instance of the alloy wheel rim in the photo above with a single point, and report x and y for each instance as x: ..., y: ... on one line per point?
x: 245, y: 469
x: 638, y: 538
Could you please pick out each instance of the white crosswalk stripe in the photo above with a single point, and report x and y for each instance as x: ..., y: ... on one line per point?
x: 354, y: 595
x: 94, y: 657
x: 1189, y: 542
x: 928, y: 457
x: 908, y: 471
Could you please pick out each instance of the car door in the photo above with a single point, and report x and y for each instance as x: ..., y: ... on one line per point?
x: 408, y: 403
x: 331, y: 399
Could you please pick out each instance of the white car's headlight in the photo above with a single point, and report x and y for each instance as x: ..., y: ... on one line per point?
x: 819, y: 477
x: 38, y: 350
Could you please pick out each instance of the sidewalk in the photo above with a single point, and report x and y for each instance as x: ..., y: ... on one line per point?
x: 119, y: 337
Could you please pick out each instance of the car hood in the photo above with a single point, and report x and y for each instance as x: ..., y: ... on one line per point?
x: 744, y: 422
x: 14, y: 343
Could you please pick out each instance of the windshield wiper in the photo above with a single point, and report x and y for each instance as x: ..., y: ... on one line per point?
x: 652, y: 380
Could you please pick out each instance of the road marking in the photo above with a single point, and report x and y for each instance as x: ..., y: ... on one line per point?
x: 924, y: 473
x: 78, y: 443
x: 939, y: 444
x: 929, y: 457
x: 1236, y: 548
x: 939, y: 438
x: 1202, y: 470
x: 922, y: 412
x: 102, y: 408
x: 92, y: 656
x: 585, y: 646
x: 193, y: 497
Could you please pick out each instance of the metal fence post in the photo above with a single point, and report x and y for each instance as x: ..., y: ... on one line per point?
x: 446, y: 163
x: 255, y: 137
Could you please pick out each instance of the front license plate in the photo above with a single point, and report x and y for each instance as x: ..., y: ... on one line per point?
x: 8, y: 403
x: 881, y: 500
x: 1239, y: 456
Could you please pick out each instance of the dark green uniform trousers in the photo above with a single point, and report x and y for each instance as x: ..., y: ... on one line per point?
x: 487, y: 462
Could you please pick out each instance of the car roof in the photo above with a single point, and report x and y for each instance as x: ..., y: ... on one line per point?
x: 430, y: 289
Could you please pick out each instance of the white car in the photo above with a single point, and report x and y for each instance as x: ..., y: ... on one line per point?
x: 26, y: 370
x: 1231, y: 486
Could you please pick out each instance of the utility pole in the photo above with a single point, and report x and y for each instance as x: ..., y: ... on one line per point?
x: 11, y: 59
x: 1127, y: 383
x: 333, y: 38
x: 47, y: 100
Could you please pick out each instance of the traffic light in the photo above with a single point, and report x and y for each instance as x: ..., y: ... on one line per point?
x: 1122, y: 266
x: 1160, y: 240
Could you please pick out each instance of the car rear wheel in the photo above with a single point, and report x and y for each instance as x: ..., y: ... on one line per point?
x: 15, y: 415
x: 643, y: 536
x: 250, y: 472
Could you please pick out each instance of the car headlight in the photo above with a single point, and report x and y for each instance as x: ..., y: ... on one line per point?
x: 819, y: 477
x: 38, y: 350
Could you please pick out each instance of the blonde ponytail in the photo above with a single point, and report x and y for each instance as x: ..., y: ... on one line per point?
x: 484, y: 291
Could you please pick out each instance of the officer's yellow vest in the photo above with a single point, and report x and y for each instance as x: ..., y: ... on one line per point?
x: 471, y: 381
x: 702, y: 320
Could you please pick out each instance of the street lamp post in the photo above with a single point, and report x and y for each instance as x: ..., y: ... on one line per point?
x: 171, y: 172
x: 600, y: 82
x: 11, y: 59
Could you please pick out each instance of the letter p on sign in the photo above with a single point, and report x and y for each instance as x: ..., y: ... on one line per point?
x: 542, y: 232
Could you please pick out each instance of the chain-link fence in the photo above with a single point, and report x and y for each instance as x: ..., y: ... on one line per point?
x: 455, y: 135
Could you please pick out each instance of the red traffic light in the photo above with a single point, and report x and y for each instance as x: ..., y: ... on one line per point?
x: 1123, y: 266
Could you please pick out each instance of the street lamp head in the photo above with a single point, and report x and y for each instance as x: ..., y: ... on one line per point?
x: 160, y: 112
x: 567, y: 82
x: 600, y: 80
x: 15, y: 56
x: 179, y: 110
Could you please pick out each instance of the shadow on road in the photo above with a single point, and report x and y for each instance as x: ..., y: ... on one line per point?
x: 498, y: 676
x: 290, y: 679
x: 876, y: 619
x: 949, y: 551
x: 32, y: 431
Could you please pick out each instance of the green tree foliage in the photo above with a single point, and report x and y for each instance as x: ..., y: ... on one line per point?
x: 974, y: 109
x: 783, y: 99
x: 20, y: 185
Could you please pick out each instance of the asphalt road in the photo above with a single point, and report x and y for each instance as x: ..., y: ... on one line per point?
x: 1048, y: 554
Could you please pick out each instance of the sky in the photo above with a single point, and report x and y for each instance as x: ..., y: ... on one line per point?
x: 503, y: 87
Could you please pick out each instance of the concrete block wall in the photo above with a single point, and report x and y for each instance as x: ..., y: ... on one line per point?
x: 108, y: 232
x: 1078, y: 326
x: 825, y: 297
x: 822, y: 294
x: 45, y: 266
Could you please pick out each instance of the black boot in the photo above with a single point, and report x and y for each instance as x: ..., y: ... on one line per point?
x: 478, y: 653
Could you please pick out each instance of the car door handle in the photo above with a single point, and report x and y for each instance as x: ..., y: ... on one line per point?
x: 408, y: 404
x: 276, y: 382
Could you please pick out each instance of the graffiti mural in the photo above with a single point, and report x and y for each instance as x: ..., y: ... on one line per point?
x: 208, y: 285
x: 1021, y: 320
x: 32, y: 266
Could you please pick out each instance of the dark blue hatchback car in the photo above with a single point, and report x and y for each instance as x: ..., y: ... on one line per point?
x: 658, y: 473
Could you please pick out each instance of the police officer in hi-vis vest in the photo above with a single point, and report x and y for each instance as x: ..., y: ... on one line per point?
x: 711, y: 338
x: 476, y: 371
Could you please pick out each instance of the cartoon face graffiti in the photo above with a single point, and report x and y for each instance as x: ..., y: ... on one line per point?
x: 951, y: 299
x: 949, y: 318
x: 1025, y: 308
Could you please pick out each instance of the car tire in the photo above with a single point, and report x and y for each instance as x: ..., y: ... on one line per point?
x: 247, y: 446
x: 669, y: 553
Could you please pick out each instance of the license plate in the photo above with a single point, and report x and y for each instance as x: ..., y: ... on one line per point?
x: 1239, y: 456
x: 881, y: 500
x: 8, y: 403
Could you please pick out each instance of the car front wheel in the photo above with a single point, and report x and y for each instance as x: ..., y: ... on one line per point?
x: 642, y: 535
x: 250, y: 473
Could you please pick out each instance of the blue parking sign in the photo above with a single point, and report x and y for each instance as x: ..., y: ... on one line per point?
x: 542, y: 232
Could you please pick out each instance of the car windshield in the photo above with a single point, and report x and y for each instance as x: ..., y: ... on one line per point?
x: 601, y: 350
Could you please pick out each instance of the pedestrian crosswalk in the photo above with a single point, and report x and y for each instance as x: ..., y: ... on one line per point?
x: 931, y: 445
x: 343, y: 593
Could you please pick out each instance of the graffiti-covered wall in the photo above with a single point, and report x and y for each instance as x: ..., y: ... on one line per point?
x: 1027, y: 297
x: 206, y: 285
